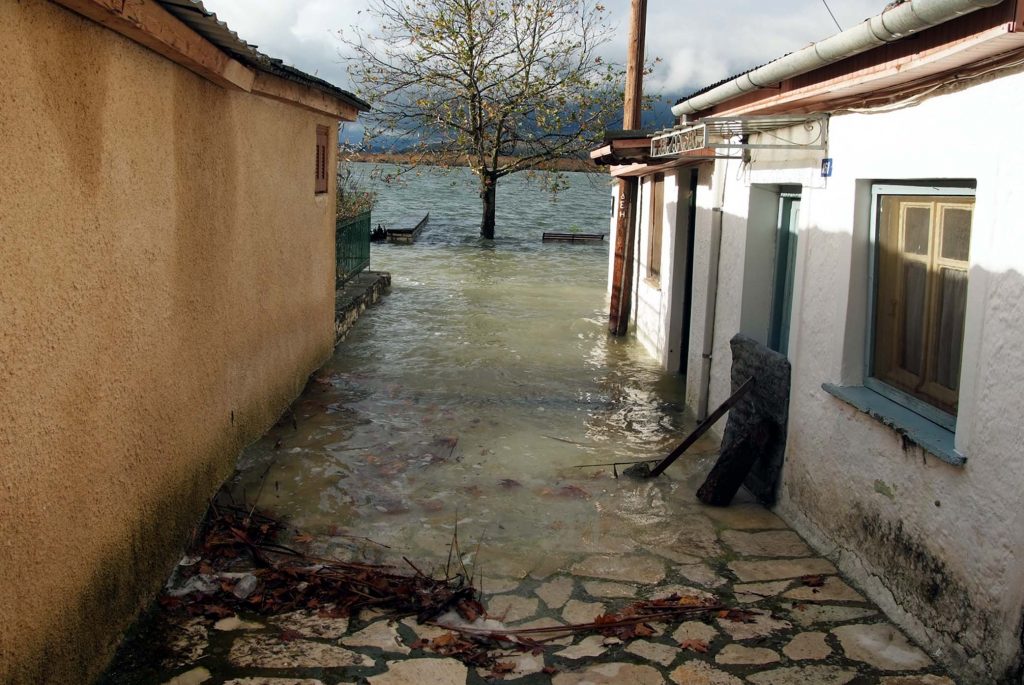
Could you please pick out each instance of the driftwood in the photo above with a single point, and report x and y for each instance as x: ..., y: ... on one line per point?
x: 624, y: 624
x: 642, y: 468
x: 702, y: 428
x: 285, y: 579
x: 236, y: 539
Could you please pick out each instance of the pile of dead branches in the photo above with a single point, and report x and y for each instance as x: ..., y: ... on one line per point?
x: 239, y: 547
x: 234, y: 539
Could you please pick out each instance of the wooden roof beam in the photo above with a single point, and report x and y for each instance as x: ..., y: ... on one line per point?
x: 149, y: 24
x: 294, y: 93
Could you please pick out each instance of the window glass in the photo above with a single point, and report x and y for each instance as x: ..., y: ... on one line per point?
x: 956, y: 232
x: 921, y: 295
x: 917, y: 221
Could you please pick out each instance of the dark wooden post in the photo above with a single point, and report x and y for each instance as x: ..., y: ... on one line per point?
x: 625, y: 218
x: 622, y: 270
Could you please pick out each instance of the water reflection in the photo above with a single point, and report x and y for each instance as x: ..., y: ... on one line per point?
x: 471, y: 393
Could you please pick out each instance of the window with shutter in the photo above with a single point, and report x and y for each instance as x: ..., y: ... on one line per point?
x: 322, y: 157
x: 920, y: 298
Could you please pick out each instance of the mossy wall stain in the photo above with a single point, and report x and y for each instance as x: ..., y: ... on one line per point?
x: 919, y: 580
x: 882, y: 488
x: 167, y: 287
x: 924, y: 584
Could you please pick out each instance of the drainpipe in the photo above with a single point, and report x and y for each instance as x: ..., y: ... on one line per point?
x: 711, y: 303
x: 891, y: 25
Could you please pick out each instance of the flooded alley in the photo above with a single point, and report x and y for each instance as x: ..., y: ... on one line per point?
x: 315, y: 371
x: 448, y: 432
x: 474, y: 390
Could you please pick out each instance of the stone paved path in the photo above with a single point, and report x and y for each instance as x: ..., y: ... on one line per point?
x: 810, y: 626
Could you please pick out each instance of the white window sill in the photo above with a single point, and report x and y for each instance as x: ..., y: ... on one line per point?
x: 914, y: 428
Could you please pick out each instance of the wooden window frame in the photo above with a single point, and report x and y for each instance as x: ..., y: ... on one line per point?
x: 878, y: 190
x: 656, y: 224
x: 323, y: 156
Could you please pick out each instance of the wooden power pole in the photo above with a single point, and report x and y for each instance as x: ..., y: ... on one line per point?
x: 625, y: 218
x: 635, y: 66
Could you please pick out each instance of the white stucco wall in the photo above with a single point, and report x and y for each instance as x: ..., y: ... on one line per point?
x: 937, y: 546
x: 658, y: 303
x: 721, y: 185
x: 701, y: 266
x: 659, y: 300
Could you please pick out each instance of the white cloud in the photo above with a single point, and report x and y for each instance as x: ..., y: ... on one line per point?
x: 699, y: 42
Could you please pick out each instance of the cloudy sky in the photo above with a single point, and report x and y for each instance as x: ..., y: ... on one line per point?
x: 698, y: 42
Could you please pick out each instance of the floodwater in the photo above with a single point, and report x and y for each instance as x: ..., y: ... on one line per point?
x: 472, y: 392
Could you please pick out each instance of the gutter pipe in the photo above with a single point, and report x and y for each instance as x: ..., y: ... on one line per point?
x: 891, y: 25
x: 711, y: 294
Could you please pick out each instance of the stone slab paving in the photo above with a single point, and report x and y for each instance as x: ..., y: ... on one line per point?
x: 800, y: 624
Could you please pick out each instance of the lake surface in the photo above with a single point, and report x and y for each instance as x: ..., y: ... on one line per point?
x: 473, y: 390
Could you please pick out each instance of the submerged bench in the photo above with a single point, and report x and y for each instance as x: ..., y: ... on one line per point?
x: 574, y: 237
x: 411, y: 229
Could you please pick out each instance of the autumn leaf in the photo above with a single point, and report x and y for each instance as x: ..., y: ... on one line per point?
x: 643, y: 630
x: 573, y: 492
x: 217, y: 611
x: 470, y: 610
x: 738, y: 615
x: 503, y: 667
x: 698, y: 646
x: 442, y: 641
x: 813, y: 581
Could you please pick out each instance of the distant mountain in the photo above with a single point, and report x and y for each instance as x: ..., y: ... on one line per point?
x: 659, y: 116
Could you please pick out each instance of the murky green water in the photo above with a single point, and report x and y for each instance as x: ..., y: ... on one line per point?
x: 473, y: 390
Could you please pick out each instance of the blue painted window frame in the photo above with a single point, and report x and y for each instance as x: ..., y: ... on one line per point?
x: 933, y: 414
x: 787, y: 235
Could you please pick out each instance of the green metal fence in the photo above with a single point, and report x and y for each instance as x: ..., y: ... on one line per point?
x: 352, y: 246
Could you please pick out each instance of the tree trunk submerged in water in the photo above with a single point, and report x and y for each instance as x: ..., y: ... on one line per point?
x: 488, y: 193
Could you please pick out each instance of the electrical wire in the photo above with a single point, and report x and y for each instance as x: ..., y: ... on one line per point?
x: 809, y: 125
x: 831, y: 14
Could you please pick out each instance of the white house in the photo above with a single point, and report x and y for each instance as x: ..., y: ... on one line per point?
x: 856, y: 205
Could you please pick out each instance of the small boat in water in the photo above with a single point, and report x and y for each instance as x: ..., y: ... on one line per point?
x: 411, y: 227
x: 552, y: 237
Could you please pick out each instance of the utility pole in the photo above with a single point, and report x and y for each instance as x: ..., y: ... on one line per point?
x: 625, y: 220
x: 635, y: 66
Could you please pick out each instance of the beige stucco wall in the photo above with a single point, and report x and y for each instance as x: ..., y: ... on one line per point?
x: 166, y: 287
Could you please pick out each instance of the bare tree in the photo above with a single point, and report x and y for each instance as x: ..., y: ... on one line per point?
x: 498, y: 85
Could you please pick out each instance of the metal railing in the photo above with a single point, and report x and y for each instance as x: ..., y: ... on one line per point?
x: 352, y: 246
